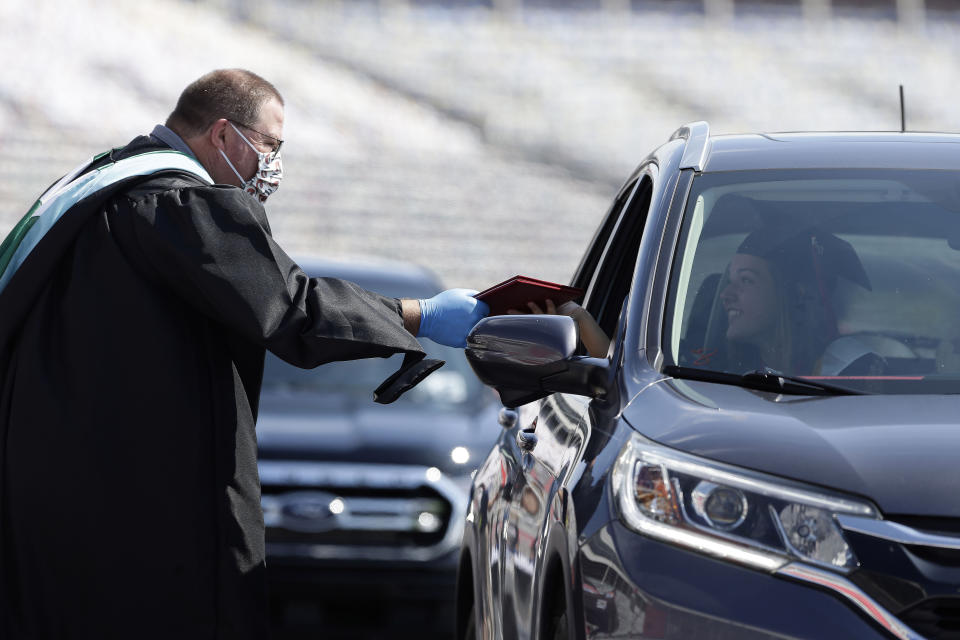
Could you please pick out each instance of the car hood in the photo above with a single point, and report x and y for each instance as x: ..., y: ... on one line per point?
x: 900, y: 451
x: 306, y: 426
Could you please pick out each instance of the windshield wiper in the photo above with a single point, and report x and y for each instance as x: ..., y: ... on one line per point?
x: 765, y: 379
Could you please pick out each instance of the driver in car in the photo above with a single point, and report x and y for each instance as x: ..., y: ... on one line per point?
x: 778, y: 301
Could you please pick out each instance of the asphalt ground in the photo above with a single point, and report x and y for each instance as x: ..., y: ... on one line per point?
x: 360, y: 619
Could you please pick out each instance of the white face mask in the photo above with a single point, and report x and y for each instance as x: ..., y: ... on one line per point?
x: 269, y: 172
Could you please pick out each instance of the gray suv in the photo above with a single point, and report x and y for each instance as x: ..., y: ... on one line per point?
x: 769, y: 448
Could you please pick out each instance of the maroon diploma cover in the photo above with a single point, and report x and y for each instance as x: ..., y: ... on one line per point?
x: 517, y: 291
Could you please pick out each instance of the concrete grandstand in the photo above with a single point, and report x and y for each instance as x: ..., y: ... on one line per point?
x: 481, y: 140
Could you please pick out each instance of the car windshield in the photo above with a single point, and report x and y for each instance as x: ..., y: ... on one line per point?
x: 850, y: 277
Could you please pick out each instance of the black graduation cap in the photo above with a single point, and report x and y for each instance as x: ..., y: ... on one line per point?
x: 802, y: 252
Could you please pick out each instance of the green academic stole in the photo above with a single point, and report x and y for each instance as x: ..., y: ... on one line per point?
x: 76, y: 186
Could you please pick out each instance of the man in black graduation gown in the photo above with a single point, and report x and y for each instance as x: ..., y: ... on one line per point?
x: 132, y: 339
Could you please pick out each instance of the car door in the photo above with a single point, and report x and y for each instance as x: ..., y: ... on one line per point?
x: 625, y: 290
x: 542, y: 449
x: 547, y: 443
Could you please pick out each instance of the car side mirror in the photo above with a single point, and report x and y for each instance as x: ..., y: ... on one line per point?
x: 526, y: 357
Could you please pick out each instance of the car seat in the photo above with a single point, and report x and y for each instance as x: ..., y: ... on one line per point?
x: 862, y: 354
x: 704, y: 320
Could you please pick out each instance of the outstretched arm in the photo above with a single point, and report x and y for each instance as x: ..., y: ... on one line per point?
x: 591, y: 335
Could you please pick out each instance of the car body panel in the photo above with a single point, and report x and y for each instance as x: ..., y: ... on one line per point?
x: 675, y: 594
x: 875, y: 446
x: 833, y: 151
x: 538, y: 478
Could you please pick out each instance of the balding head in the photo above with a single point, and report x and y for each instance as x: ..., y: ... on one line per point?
x: 232, y: 94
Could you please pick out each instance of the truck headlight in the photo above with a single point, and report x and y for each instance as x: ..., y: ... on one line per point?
x: 731, y: 513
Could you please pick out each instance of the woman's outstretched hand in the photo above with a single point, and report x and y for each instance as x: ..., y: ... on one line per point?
x: 591, y: 335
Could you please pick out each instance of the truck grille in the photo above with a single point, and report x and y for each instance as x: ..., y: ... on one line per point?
x: 340, y: 510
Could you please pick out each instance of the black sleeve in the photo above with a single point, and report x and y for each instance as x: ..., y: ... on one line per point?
x: 211, y: 245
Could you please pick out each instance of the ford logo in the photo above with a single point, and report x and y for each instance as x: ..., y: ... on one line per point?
x: 307, y: 511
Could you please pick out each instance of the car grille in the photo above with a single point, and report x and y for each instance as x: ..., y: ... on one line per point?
x: 942, y: 557
x: 341, y: 511
x: 911, y: 565
x: 935, y: 618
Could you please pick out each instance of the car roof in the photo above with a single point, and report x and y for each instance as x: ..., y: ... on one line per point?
x: 832, y: 150
x: 393, y: 278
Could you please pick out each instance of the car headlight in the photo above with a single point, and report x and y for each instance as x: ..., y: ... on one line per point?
x: 731, y: 513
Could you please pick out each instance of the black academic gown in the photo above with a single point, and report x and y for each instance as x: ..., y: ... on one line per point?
x: 131, y: 357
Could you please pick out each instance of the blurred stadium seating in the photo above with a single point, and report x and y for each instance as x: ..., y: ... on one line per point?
x: 481, y: 138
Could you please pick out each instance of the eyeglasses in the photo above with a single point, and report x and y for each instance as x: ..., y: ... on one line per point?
x: 278, y: 142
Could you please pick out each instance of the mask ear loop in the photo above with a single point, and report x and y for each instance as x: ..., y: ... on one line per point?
x: 233, y: 168
x: 261, y: 156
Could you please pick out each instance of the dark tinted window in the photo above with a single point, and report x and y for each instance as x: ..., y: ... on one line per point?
x: 615, y: 273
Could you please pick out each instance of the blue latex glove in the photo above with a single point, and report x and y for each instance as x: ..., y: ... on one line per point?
x: 448, y: 317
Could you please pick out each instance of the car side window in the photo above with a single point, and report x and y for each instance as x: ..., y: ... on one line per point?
x: 588, y: 265
x: 611, y: 282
